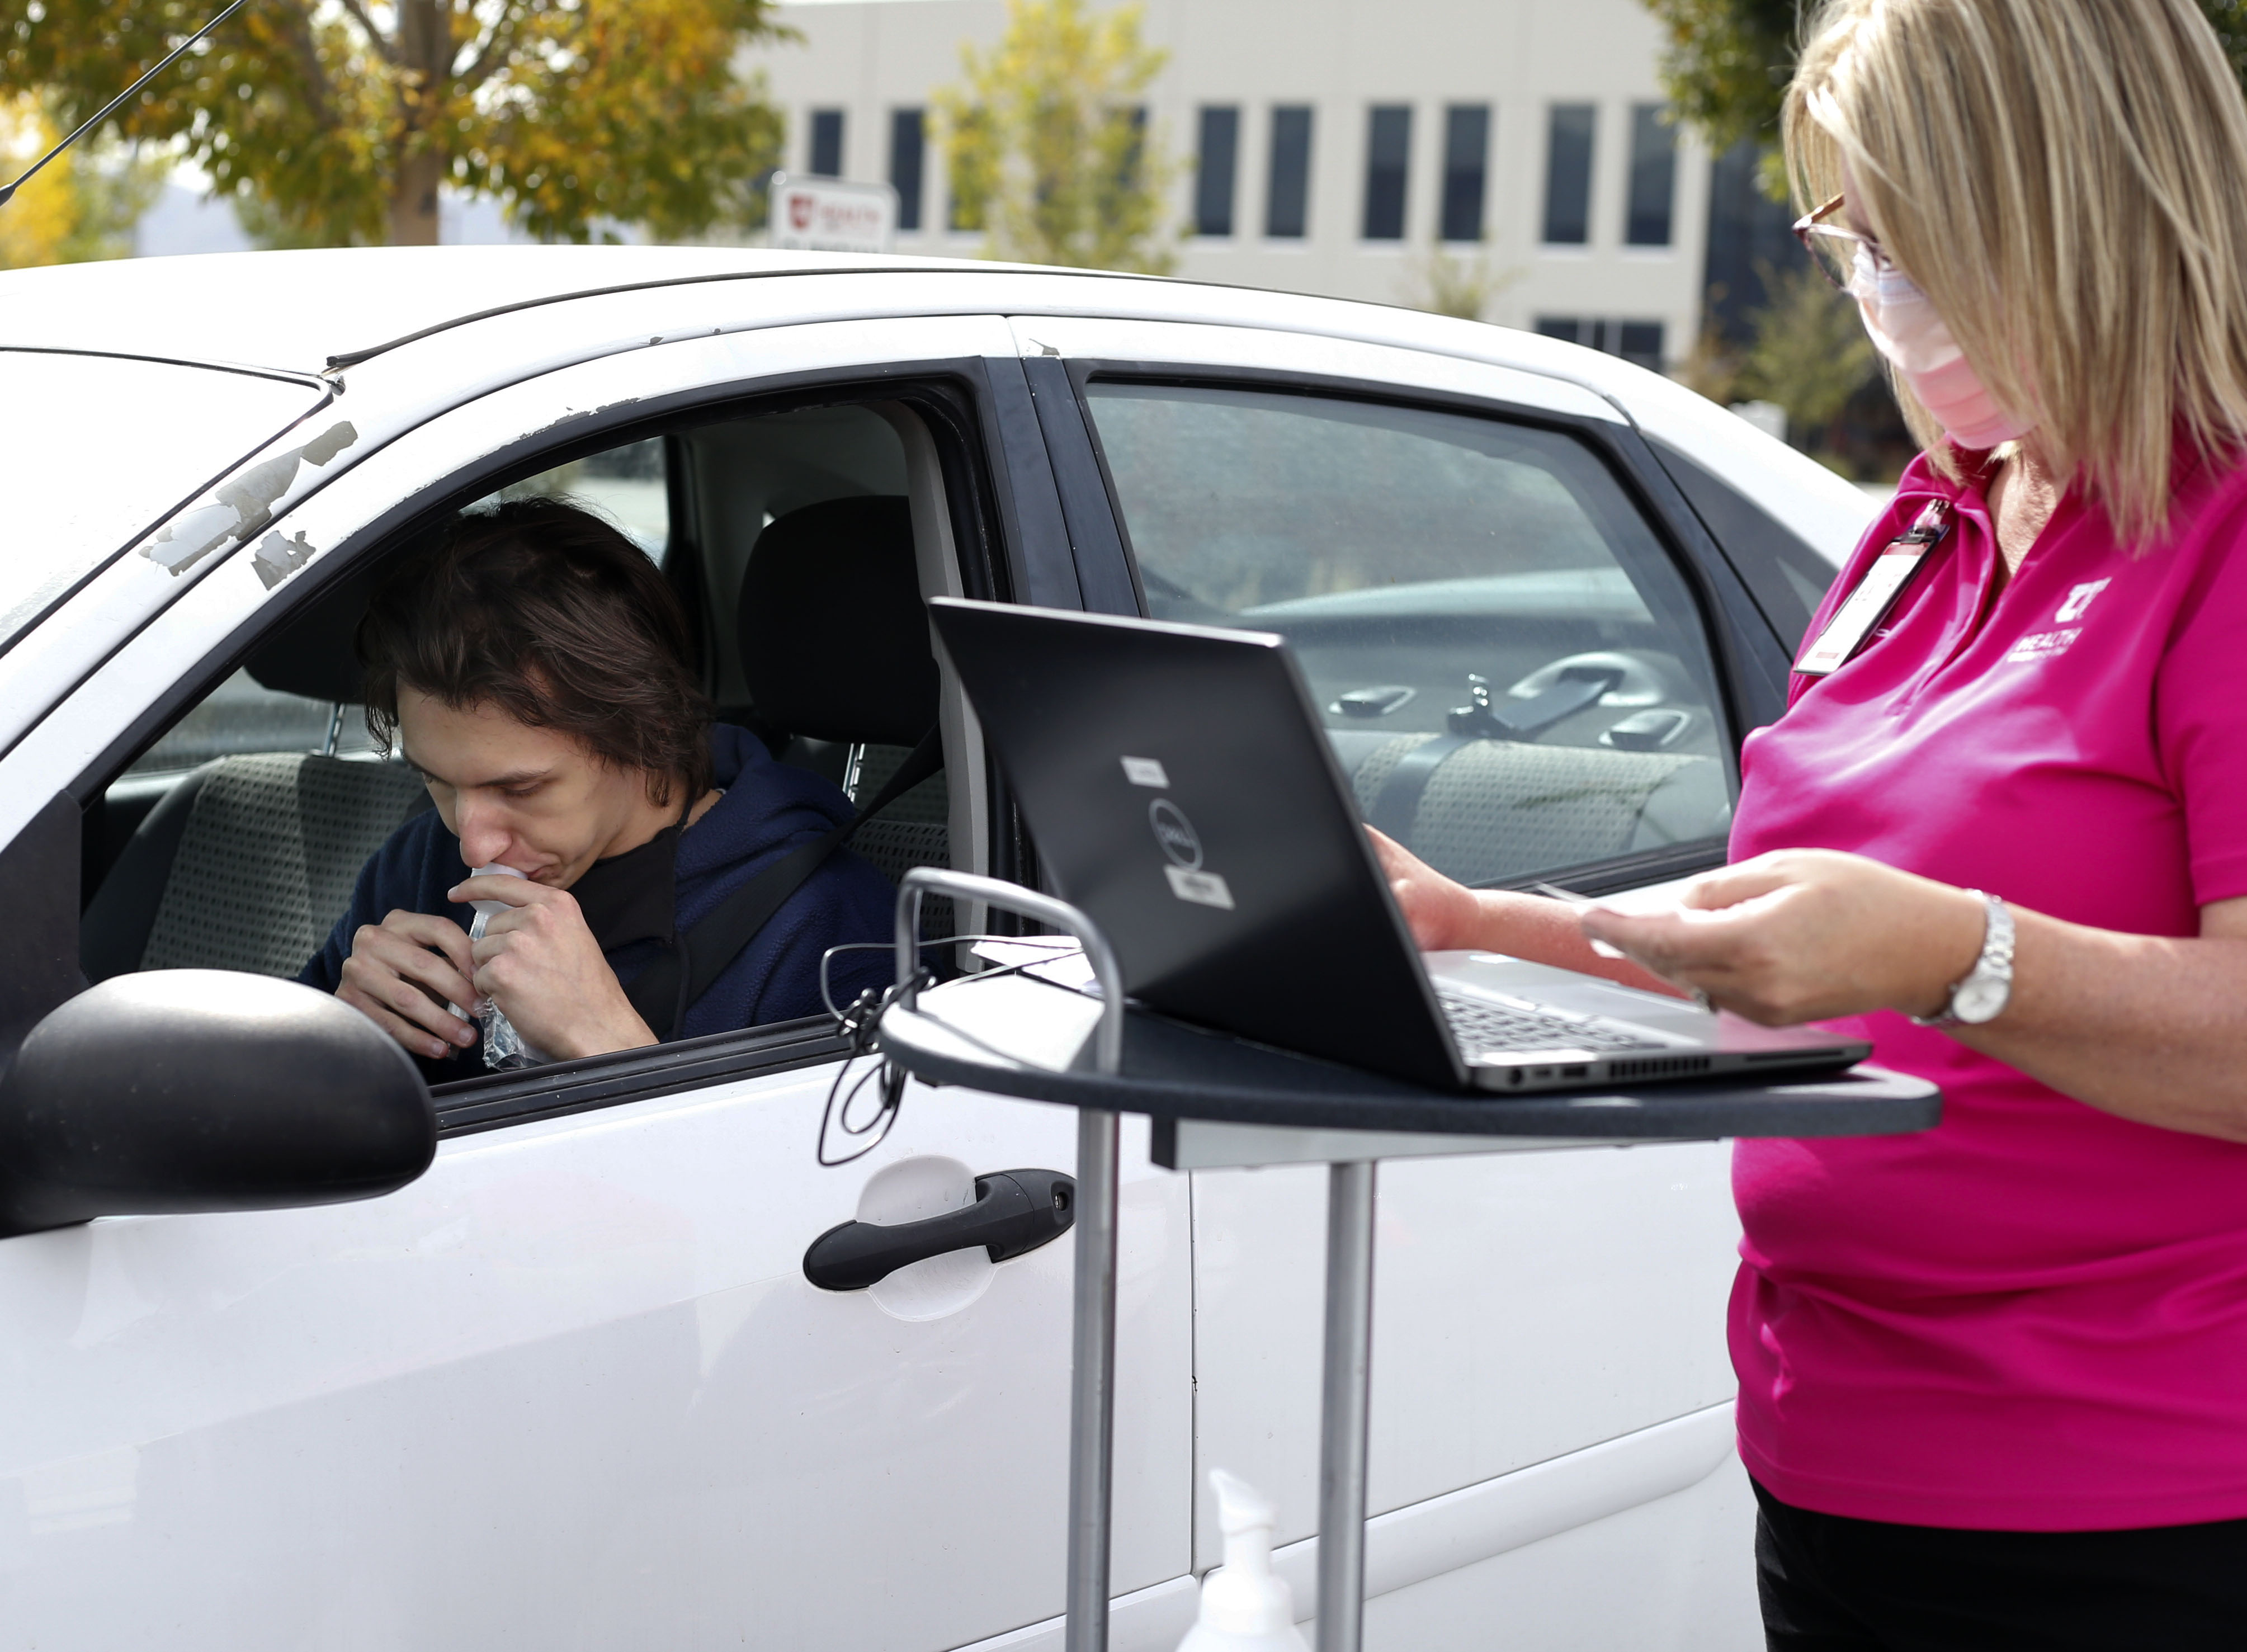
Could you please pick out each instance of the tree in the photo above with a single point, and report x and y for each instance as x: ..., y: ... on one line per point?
x: 1447, y: 284
x: 1048, y: 146
x: 335, y: 121
x: 1808, y: 353
x: 83, y: 206
x: 1727, y: 63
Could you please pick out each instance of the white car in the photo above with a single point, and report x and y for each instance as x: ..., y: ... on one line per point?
x: 569, y: 1387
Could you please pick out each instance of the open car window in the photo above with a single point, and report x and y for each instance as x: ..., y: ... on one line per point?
x: 1509, y: 668
x: 626, y: 486
x: 235, y: 839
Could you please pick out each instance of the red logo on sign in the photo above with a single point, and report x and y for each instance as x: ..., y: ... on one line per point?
x: 799, y: 211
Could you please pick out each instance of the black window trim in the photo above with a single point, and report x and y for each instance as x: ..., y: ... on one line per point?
x: 1751, y: 687
x: 953, y: 397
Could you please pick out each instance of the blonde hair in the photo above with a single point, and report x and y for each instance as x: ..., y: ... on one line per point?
x: 2066, y: 181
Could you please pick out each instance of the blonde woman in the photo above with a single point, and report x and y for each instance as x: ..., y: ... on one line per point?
x: 1993, y: 1379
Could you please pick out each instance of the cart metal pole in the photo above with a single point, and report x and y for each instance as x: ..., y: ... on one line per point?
x: 1092, y: 1370
x: 1348, y: 1386
x: 1092, y: 1383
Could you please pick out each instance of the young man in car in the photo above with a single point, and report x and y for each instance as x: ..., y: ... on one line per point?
x: 533, y: 666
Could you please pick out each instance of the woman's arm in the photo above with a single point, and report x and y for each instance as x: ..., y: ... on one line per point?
x: 1444, y: 915
x: 2147, y: 1027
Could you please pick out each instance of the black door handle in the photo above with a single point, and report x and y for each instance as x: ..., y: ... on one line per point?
x: 1014, y: 1212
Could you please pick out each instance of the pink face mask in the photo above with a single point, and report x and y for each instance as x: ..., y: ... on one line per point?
x: 1906, y: 329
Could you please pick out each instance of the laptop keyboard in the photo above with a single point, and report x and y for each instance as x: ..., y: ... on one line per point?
x: 1480, y: 1025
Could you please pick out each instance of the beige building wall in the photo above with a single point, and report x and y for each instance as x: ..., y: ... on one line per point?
x: 868, y: 57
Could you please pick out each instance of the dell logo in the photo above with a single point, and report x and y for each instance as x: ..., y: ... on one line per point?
x: 1175, y: 833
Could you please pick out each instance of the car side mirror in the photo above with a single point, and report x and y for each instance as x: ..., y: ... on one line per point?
x: 203, y: 1090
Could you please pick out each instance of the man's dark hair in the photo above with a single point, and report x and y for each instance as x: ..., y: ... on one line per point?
x: 543, y: 612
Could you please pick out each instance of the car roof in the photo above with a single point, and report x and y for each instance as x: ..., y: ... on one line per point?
x: 294, y: 309
x: 299, y: 312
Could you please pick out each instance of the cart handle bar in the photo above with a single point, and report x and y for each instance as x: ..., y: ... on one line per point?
x: 1108, y: 1048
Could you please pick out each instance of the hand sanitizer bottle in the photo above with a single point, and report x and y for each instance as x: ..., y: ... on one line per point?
x: 1245, y: 1607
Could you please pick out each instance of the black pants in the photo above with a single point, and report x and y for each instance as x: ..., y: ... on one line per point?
x: 1832, y: 1584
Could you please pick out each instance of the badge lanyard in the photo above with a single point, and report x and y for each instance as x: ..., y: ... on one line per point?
x: 1876, y: 593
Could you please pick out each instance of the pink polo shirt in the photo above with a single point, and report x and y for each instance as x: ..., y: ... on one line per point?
x: 2034, y: 1317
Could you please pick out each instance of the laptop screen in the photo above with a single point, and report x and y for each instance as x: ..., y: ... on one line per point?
x: 1182, y: 795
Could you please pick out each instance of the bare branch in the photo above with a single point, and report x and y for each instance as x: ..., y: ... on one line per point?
x: 489, y: 56
x: 384, y: 47
x: 299, y: 31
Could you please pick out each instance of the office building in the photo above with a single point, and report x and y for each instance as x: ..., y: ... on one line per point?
x: 1331, y: 146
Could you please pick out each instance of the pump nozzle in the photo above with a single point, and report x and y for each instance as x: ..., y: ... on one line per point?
x: 1245, y: 1607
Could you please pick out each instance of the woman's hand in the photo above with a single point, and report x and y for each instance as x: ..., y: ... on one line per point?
x: 541, y: 964
x: 1806, y: 935
x: 1440, y: 913
x: 1445, y: 916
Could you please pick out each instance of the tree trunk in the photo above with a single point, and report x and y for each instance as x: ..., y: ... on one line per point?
x: 413, y: 200
x: 424, y: 45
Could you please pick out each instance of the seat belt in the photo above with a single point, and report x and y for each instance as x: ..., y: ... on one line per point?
x: 663, y: 992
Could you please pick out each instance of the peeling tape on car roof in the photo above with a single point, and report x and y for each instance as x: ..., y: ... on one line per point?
x: 244, y: 504
x: 276, y: 558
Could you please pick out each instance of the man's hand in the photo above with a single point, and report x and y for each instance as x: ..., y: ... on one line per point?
x: 401, y: 974
x: 1806, y: 934
x: 541, y: 964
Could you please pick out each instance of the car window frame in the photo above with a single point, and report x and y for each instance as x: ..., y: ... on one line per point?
x: 1750, y: 668
x: 952, y: 396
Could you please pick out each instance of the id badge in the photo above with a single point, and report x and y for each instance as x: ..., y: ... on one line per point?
x: 1875, y: 595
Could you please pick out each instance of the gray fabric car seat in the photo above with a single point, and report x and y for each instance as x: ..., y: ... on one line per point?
x: 1496, y: 809
x: 246, y: 864
x: 834, y: 646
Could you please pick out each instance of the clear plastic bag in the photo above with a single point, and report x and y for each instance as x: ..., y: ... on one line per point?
x: 505, y: 1050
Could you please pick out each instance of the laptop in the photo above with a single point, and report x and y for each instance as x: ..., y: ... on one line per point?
x: 1184, y: 796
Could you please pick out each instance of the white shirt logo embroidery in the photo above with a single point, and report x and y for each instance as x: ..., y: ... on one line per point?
x: 2043, y: 645
x: 2078, y: 600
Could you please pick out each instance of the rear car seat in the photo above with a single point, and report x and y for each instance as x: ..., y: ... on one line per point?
x: 834, y: 646
x: 248, y: 861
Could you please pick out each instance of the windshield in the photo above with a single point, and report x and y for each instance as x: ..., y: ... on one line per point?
x: 95, y: 450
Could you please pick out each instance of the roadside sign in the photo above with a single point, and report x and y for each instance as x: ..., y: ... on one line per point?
x: 828, y: 215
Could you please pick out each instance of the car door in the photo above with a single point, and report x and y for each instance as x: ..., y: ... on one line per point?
x: 1551, y: 1394
x: 571, y: 1388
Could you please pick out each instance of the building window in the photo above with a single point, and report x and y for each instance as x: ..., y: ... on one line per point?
x: 1569, y: 174
x: 1466, y: 168
x: 1214, y: 170
x: 908, y: 153
x: 1653, y: 176
x: 1388, y: 160
x: 1288, y: 199
x: 826, y: 143
x: 1638, y: 342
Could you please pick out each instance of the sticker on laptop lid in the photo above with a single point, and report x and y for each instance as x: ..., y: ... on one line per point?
x: 1146, y: 771
x: 1203, y: 888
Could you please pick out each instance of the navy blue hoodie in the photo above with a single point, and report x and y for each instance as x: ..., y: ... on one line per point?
x: 768, y: 808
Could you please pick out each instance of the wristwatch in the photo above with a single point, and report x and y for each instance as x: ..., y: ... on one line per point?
x: 1981, y: 996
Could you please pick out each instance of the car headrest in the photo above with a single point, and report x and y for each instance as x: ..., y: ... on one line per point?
x: 313, y: 654
x: 834, y: 634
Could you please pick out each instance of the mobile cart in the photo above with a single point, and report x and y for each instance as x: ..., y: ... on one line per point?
x: 1219, y: 1102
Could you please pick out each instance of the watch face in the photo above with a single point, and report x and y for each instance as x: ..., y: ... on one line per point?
x: 1980, y: 998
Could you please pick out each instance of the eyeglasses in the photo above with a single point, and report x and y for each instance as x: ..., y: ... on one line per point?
x: 1834, y: 247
